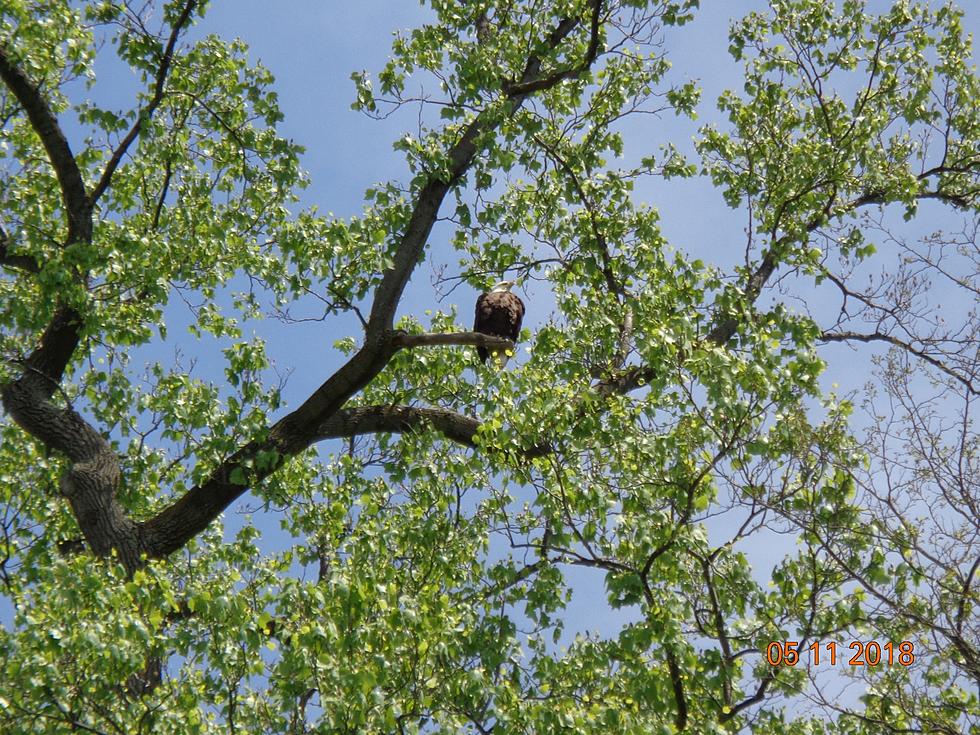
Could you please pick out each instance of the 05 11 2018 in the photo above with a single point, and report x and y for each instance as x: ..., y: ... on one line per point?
x: 857, y: 653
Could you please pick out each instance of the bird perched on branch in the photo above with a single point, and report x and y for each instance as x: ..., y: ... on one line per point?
x: 498, y: 313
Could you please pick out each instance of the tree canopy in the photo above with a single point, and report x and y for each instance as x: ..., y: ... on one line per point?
x: 663, y: 421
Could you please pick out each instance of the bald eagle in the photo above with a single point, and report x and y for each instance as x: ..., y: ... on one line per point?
x: 498, y: 313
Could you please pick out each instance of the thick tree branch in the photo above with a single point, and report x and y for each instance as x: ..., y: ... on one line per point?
x: 147, y: 112
x: 468, y: 339
x: 191, y: 513
x: 531, y: 82
x: 399, y: 420
x: 46, y: 126
x: 45, y: 367
x: 460, y: 157
x: 412, y: 242
x: 409, y: 251
x: 453, y: 425
x: 92, y: 479
x: 677, y: 684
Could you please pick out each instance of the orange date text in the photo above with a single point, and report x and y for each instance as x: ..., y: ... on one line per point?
x: 857, y: 653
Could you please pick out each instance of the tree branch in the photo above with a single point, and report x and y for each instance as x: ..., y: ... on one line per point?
x: 758, y: 696
x: 45, y: 124
x: 45, y: 366
x: 92, y: 478
x: 631, y: 379
x: 145, y: 114
x: 399, y: 420
x: 468, y: 339
x: 176, y: 524
x: 530, y: 82
x: 677, y: 684
x: 892, y: 340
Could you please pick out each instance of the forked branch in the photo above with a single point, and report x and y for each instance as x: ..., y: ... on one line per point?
x: 176, y: 524
x: 159, y: 84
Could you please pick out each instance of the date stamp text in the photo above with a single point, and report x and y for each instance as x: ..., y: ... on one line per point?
x: 857, y: 653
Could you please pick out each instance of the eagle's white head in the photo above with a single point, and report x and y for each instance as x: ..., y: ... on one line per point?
x: 502, y: 286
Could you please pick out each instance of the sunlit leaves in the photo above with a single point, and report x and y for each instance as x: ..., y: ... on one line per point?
x: 659, y: 418
x: 845, y: 96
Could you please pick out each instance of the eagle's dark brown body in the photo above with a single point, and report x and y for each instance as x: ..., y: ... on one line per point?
x: 498, y: 313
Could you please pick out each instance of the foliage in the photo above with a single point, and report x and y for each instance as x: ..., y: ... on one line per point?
x: 664, y: 424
